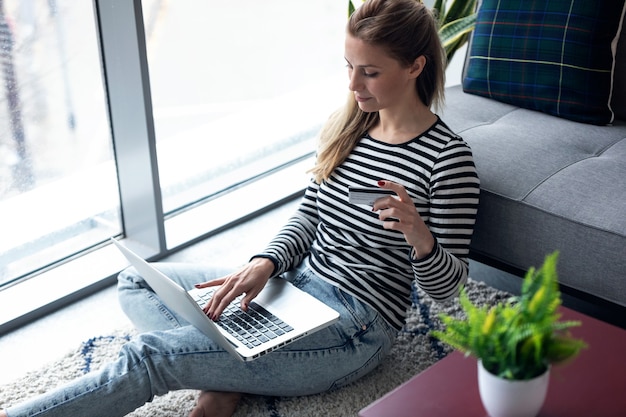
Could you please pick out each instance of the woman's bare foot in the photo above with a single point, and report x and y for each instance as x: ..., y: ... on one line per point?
x: 214, y: 404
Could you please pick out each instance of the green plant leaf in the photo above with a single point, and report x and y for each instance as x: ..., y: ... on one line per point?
x: 563, y: 348
x: 453, y: 32
x: 459, y: 9
x: 351, y: 7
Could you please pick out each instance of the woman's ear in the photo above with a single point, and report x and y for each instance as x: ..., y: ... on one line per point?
x: 417, y: 67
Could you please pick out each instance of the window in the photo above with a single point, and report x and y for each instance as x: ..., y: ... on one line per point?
x: 238, y: 88
x: 107, y: 132
x: 58, y: 192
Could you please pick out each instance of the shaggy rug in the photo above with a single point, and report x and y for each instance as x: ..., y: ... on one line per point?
x: 414, y: 351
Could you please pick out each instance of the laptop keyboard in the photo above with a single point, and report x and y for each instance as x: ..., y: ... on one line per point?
x: 253, y: 327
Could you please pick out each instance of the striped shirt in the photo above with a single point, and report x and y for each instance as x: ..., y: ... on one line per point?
x: 347, y: 245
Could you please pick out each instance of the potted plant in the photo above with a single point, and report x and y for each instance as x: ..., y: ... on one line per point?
x: 515, y: 342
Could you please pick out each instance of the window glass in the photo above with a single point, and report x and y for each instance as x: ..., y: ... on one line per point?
x: 239, y: 88
x: 58, y: 187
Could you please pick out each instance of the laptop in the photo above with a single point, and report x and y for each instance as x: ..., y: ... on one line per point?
x: 280, y: 314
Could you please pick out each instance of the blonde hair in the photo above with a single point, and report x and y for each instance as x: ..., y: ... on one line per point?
x: 407, y: 29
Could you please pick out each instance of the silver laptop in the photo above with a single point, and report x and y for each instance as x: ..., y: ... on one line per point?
x: 279, y: 315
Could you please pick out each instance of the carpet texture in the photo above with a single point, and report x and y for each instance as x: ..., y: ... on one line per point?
x: 413, y: 352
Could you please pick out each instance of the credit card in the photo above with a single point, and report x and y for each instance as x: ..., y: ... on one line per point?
x: 367, y: 195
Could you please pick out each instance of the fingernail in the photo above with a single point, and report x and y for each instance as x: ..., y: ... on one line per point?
x: 197, y: 285
x: 381, y: 183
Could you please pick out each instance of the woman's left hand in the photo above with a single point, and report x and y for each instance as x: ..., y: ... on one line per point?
x: 399, y: 213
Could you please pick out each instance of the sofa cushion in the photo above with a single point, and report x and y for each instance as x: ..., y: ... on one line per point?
x: 553, y: 56
x: 547, y: 184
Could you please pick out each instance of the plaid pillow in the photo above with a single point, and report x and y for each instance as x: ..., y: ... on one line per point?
x: 554, y: 56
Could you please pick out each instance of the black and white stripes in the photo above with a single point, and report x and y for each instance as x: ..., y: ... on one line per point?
x: 348, y: 245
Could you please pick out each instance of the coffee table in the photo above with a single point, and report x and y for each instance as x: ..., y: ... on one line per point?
x: 593, y: 384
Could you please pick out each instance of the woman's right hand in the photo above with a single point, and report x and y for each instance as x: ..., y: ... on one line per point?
x: 249, y: 280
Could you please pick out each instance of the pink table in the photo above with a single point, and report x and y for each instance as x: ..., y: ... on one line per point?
x: 594, y: 384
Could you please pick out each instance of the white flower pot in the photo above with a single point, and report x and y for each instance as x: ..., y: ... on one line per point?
x: 505, y: 398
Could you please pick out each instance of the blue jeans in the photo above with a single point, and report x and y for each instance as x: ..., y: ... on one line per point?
x: 171, y: 355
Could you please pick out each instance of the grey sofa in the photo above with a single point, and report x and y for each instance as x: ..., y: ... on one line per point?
x: 548, y: 184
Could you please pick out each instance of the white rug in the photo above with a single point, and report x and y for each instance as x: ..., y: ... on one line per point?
x: 413, y: 352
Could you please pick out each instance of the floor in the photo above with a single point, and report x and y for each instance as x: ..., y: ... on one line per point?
x: 48, y: 339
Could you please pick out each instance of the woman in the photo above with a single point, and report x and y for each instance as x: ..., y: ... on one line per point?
x: 359, y: 260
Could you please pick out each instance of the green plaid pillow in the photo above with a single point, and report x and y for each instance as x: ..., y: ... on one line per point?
x: 553, y: 56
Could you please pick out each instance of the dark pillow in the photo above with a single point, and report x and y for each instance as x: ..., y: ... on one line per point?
x: 554, y: 56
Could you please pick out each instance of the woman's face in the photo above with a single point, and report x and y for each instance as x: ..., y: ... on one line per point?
x: 377, y: 80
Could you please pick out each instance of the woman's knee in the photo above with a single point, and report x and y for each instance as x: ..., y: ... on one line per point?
x: 128, y: 278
